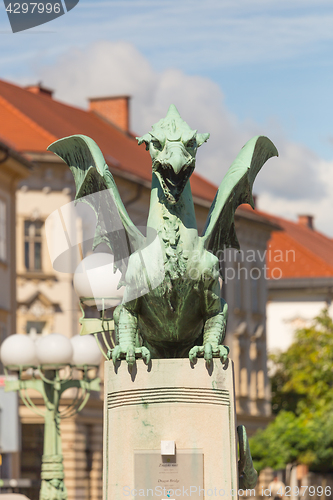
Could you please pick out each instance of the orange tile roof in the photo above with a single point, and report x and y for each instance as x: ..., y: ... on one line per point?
x: 21, y: 133
x: 30, y: 122
x: 299, y: 251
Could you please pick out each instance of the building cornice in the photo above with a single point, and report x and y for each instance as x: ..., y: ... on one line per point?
x: 13, y: 163
x: 258, y: 219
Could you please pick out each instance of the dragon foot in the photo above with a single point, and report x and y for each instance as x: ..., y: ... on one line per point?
x: 209, y: 351
x: 130, y: 354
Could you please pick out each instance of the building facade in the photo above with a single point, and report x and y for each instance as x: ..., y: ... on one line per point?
x: 13, y: 168
x: 301, y: 285
x: 246, y: 294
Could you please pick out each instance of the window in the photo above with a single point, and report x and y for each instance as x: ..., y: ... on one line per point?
x: 255, y: 289
x: 240, y: 278
x: 33, y: 245
x: 261, y: 384
x: 35, y: 327
x: 3, y: 239
x: 244, y: 382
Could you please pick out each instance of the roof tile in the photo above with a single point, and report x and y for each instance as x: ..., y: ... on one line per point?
x: 310, y: 252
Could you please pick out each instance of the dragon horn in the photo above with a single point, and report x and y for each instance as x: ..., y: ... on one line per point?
x: 146, y: 139
x: 201, y: 138
x: 172, y: 111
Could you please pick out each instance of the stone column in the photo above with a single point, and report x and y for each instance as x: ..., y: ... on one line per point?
x: 189, y: 407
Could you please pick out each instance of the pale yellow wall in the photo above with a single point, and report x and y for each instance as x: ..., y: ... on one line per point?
x: 35, y: 205
x: 57, y: 287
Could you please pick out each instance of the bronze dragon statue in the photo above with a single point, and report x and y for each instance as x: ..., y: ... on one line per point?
x: 171, y: 305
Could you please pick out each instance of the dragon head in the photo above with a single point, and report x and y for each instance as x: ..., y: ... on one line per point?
x: 172, y: 145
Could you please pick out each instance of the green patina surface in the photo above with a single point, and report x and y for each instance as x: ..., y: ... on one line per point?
x: 182, y: 313
x: 248, y: 476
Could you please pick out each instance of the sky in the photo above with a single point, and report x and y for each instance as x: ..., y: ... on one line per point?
x: 234, y: 68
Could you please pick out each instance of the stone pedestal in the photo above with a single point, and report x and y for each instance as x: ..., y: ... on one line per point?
x: 170, y: 400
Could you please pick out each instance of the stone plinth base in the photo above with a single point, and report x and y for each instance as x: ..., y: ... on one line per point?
x: 169, y: 401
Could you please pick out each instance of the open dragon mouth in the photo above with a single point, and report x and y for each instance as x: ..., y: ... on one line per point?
x: 173, y: 184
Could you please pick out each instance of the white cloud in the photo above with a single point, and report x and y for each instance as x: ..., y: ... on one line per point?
x: 295, y: 182
x: 322, y: 209
x: 294, y: 175
x: 107, y: 68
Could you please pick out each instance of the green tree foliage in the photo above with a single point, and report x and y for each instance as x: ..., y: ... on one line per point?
x: 303, y: 377
x: 302, y: 398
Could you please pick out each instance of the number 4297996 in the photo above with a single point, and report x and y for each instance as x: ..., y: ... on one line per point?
x: 311, y: 490
x: 31, y: 7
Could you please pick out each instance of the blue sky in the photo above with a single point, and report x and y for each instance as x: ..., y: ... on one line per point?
x: 233, y: 68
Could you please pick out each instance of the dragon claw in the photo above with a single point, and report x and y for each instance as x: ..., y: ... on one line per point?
x: 223, y: 352
x: 145, y: 353
x: 208, y: 351
x: 130, y: 354
x: 116, y: 354
x: 194, y: 352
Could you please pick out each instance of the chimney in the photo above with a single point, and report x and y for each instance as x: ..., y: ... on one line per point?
x: 306, y: 220
x: 115, y: 109
x: 39, y: 89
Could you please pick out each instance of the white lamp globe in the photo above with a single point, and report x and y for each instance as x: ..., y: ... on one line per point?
x: 94, y: 278
x: 54, y: 349
x: 85, y: 350
x: 18, y: 349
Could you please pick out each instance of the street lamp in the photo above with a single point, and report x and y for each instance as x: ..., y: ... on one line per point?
x: 97, y: 284
x: 48, y: 366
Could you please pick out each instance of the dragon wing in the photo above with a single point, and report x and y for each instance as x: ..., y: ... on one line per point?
x: 235, y: 189
x: 96, y: 187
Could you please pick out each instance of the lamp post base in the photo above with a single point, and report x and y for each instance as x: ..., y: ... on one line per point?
x: 52, y: 487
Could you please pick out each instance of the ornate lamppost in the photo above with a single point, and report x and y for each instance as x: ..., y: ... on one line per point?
x: 51, y: 366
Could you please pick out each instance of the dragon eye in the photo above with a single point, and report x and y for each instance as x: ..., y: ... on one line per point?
x: 156, y: 144
x: 190, y: 143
